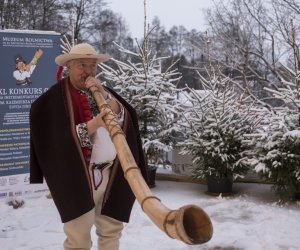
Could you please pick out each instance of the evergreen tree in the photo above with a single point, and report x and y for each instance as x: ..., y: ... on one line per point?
x: 278, y: 146
x: 152, y: 93
x: 217, y: 119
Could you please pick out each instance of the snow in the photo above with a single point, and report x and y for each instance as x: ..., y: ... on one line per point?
x: 249, y: 219
x: 31, y: 31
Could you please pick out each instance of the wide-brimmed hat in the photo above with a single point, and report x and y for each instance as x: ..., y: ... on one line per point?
x: 82, y: 50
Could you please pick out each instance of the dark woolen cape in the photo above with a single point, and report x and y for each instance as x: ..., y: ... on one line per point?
x: 56, y: 156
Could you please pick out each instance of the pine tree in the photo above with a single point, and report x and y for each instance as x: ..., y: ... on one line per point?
x: 153, y: 94
x: 278, y: 146
x: 216, y: 122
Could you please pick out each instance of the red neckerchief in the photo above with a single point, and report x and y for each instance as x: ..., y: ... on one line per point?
x: 82, y: 113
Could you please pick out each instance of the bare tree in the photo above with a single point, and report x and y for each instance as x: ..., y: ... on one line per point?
x: 32, y: 14
x: 78, y: 12
x: 105, y: 29
x: 11, y: 14
x: 250, y: 38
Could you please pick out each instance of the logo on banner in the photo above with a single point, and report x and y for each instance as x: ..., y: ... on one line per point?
x: 13, y: 180
x: 26, y: 178
x: 3, y: 195
x: 18, y: 193
x: 3, y: 181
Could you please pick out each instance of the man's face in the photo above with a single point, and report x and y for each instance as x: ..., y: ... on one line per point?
x: 80, y: 69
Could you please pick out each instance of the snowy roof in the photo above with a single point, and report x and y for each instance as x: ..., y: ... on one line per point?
x: 30, y: 31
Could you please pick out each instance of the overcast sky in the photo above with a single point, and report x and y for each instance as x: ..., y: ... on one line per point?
x: 188, y: 13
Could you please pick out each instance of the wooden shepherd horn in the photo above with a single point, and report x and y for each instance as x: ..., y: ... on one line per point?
x: 189, y: 223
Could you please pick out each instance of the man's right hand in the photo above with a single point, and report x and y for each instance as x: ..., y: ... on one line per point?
x: 96, y: 122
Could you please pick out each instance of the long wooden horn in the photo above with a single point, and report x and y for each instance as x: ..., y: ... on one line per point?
x: 189, y: 223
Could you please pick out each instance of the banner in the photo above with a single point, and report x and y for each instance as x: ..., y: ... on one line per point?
x: 27, y: 70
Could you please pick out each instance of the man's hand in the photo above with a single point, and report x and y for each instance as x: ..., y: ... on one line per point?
x: 92, y: 81
x: 96, y: 122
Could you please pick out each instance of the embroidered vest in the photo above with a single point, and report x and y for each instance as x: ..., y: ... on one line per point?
x: 82, y: 114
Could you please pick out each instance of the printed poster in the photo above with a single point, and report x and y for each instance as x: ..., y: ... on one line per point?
x: 27, y: 70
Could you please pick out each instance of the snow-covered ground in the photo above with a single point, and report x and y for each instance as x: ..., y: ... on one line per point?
x: 250, y: 219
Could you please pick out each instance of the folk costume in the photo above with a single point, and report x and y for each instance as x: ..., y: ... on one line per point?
x: 60, y: 157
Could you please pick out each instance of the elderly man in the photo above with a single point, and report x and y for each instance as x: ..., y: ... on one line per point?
x: 71, y: 148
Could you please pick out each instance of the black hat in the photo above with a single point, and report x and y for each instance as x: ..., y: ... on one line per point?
x: 19, y: 58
